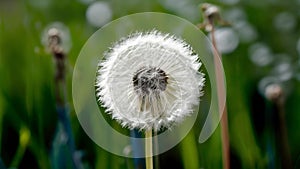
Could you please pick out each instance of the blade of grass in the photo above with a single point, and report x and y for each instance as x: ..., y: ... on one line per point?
x: 189, y: 152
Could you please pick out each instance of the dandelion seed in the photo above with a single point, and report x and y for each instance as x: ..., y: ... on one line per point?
x: 149, y: 81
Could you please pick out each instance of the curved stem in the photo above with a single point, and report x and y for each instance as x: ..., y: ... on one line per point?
x: 224, y: 119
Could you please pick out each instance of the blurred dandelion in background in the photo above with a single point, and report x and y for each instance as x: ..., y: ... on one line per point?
x: 273, y: 91
x: 285, y: 22
x: 246, y: 32
x: 235, y: 15
x: 99, y: 13
x: 227, y: 40
x: 62, y: 31
x: 260, y: 54
x: 282, y: 68
x: 265, y: 82
x: 238, y: 18
x: 298, y: 48
x: 186, y: 9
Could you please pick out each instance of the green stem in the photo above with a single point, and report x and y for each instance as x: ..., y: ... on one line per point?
x: 148, y: 149
x: 156, y: 149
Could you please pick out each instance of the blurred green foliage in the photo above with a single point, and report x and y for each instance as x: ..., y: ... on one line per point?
x: 28, y: 118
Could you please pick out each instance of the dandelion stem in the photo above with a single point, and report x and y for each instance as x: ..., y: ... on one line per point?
x: 148, y: 149
x: 212, y: 15
x: 61, y: 95
x: 156, y: 149
x: 224, y: 118
x: 281, y: 133
x: 276, y: 95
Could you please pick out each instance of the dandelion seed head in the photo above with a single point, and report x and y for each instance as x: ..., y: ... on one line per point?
x: 149, y: 81
x: 56, y: 35
x: 273, y: 92
x: 210, y: 11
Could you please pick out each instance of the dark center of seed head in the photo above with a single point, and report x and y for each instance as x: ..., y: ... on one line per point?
x: 148, y: 79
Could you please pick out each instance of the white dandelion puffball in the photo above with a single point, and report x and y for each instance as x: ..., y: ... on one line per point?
x: 149, y: 81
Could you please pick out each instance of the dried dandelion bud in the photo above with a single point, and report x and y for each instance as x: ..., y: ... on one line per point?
x: 211, y: 12
x: 149, y: 81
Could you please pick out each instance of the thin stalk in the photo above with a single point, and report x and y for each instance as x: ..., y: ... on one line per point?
x: 61, y: 94
x: 282, y: 136
x: 148, y: 149
x: 224, y: 119
x: 276, y: 95
x: 156, y: 149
